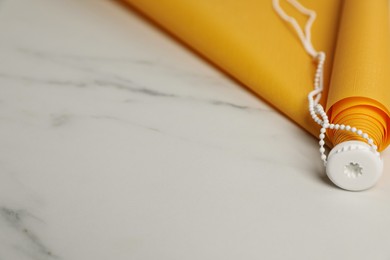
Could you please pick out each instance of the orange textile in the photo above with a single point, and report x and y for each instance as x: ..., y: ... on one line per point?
x: 359, y: 92
x: 249, y: 41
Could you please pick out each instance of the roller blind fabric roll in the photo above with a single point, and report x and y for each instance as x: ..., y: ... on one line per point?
x: 250, y: 42
x: 359, y: 91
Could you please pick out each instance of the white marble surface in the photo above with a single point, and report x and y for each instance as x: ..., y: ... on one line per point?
x: 118, y: 143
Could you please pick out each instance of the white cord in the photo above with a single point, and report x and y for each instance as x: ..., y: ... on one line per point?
x: 316, y: 110
x: 305, y: 37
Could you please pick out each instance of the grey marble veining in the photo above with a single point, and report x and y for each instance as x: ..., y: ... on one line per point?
x: 118, y: 143
x: 22, y: 241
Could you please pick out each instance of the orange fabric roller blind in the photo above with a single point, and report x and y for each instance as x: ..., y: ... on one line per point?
x: 250, y: 42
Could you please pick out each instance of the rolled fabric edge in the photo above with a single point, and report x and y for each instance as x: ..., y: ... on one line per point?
x: 363, y: 113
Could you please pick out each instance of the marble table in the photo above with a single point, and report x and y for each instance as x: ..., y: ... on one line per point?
x: 119, y: 143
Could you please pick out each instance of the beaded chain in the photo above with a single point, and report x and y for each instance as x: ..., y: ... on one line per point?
x: 316, y: 110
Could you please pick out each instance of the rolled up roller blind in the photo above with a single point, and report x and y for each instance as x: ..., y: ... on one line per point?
x: 359, y: 91
x: 250, y: 42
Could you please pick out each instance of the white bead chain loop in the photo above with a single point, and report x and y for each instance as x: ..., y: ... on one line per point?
x: 316, y: 110
x: 319, y: 115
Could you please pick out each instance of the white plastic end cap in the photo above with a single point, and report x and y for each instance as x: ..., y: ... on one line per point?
x: 354, y: 166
